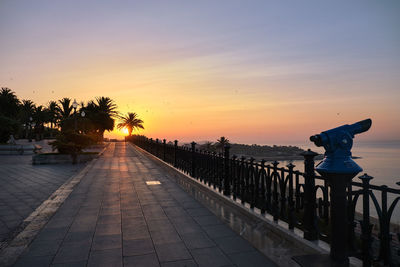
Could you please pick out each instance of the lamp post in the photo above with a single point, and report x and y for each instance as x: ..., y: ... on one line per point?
x: 30, y: 129
x: 83, y: 121
x: 75, y: 105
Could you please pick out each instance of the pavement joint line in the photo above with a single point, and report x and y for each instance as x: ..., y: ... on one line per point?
x: 39, y: 218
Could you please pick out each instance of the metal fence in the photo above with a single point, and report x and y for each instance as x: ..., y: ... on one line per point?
x: 301, y: 199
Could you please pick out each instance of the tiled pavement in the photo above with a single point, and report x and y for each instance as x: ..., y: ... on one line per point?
x: 23, y: 187
x: 113, y: 218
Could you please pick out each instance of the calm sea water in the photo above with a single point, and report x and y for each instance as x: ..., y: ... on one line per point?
x: 378, y: 159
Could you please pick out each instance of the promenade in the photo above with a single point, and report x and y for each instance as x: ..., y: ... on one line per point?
x: 127, y: 212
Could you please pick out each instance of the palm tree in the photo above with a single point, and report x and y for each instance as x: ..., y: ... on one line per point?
x: 64, y: 108
x: 107, y: 105
x: 221, y: 142
x: 209, y: 146
x: 131, y: 122
x: 52, y: 111
x: 26, y: 112
x: 64, y: 111
x: 101, y: 114
x: 40, y: 117
x: 9, y: 103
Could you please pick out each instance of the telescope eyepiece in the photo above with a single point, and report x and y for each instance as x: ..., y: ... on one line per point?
x: 316, y: 139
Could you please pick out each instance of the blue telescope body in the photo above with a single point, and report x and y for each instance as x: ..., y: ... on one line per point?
x: 337, y: 143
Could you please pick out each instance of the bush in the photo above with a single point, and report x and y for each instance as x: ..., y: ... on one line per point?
x: 71, y: 142
x: 8, y: 127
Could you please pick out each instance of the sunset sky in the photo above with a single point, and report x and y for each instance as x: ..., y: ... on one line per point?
x: 255, y: 71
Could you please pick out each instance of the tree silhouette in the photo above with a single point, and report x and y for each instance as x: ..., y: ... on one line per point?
x: 9, y: 103
x: 52, y: 111
x: 9, y: 108
x: 221, y: 142
x: 131, y: 122
x: 40, y: 117
x: 64, y: 108
x: 101, y: 114
x: 26, y: 112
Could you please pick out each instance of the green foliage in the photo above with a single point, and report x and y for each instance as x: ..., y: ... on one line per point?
x: 8, y: 126
x: 69, y: 142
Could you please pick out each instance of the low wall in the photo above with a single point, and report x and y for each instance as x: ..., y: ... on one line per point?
x: 17, y: 149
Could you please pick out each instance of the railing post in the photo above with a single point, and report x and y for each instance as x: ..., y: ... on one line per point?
x: 227, y: 186
x: 291, y: 208
x: 151, y: 146
x: 164, y: 148
x: 310, y: 216
x: 275, y: 195
x: 384, y: 229
x: 366, y: 227
x: 192, y: 173
x: 175, y: 151
x: 157, y: 148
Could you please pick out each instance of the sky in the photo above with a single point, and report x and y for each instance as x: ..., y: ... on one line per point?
x: 266, y: 72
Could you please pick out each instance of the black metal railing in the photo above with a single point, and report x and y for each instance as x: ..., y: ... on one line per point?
x: 301, y: 199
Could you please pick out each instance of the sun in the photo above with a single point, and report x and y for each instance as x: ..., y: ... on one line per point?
x: 125, y: 131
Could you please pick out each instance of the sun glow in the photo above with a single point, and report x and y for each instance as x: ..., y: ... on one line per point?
x: 125, y: 131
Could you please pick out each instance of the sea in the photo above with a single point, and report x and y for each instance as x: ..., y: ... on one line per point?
x: 381, y: 160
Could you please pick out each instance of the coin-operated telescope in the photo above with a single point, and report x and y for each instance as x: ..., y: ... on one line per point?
x: 338, y: 169
x: 338, y: 143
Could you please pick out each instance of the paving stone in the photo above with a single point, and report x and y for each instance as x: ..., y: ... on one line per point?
x: 207, y: 220
x: 128, y: 222
x: 183, y: 263
x: 108, y: 229
x: 199, y: 212
x: 137, y: 247
x: 164, y: 237
x: 107, y: 242
x: 134, y: 232
x: 43, y: 248
x: 106, y: 258
x: 52, y: 233
x: 34, y: 261
x: 72, y: 253
x: 197, y: 240
x: 253, y: 258
x: 109, y: 219
x: 86, y: 237
x: 233, y: 244
x: 70, y: 264
x: 187, y: 227
x: 149, y: 260
x: 210, y: 257
x: 191, y: 204
x: 172, y: 252
x: 217, y: 231
x: 160, y: 225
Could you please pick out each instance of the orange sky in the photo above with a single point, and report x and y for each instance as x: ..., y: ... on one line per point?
x: 195, y: 72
